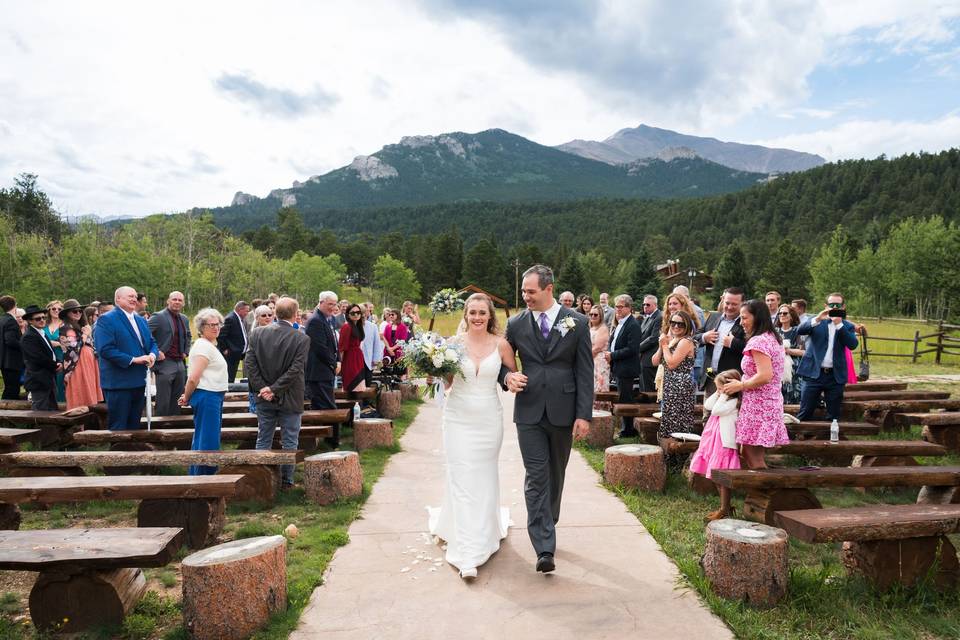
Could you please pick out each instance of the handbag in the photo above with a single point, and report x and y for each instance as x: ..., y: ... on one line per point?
x: 864, y: 372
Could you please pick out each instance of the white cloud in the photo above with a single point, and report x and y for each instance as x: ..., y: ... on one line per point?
x: 872, y: 138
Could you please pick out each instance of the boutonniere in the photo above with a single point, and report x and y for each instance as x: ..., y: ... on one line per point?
x: 566, y: 325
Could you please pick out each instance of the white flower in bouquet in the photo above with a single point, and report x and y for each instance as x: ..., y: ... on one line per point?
x: 451, y: 355
x: 437, y: 359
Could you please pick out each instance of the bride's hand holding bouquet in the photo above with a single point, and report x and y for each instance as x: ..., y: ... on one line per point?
x: 434, y: 357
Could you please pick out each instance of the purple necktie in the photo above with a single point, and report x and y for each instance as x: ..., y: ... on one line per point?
x: 544, y: 327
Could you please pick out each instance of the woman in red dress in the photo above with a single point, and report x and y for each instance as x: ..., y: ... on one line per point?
x: 351, y: 354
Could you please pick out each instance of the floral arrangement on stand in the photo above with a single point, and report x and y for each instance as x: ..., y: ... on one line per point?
x: 445, y: 301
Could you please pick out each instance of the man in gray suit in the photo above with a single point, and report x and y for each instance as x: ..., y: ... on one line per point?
x: 554, y: 397
x: 275, y: 360
x: 649, y: 342
x: 171, y: 331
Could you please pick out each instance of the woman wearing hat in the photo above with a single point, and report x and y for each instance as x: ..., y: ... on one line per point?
x: 80, y: 371
x: 52, y: 331
x: 40, y: 361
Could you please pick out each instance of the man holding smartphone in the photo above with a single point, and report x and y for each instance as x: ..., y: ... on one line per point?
x: 824, y: 366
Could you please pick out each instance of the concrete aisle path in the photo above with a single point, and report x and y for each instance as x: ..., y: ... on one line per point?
x: 612, y: 580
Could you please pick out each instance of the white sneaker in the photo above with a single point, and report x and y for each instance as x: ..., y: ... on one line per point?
x: 468, y: 574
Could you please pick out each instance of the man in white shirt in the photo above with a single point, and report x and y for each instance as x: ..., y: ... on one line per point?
x: 824, y: 363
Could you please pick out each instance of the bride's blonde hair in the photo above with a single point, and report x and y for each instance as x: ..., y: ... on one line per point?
x: 492, y: 325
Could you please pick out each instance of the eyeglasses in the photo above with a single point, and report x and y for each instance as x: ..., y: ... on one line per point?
x: 784, y: 313
x: 75, y: 311
x: 211, y: 324
x: 648, y: 304
x: 36, y: 319
x: 678, y: 323
x: 835, y: 305
x: 594, y: 315
x: 354, y: 313
x: 266, y: 315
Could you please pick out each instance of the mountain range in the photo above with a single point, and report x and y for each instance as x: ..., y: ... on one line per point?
x: 628, y: 145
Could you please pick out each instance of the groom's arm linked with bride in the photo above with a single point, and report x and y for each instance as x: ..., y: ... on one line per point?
x: 554, y: 395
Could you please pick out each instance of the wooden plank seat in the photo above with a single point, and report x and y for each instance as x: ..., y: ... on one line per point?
x: 940, y: 427
x: 771, y: 490
x: 11, y: 439
x: 55, y: 428
x: 878, y: 385
x: 179, y: 438
x: 888, y: 544
x: 853, y: 394
x: 88, y: 577
x: 885, y: 412
x: 260, y: 468
x: 826, y: 449
x: 308, y: 418
x: 194, y: 503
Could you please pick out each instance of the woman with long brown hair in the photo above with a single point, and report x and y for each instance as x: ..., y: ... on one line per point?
x: 351, y: 354
x: 81, y: 374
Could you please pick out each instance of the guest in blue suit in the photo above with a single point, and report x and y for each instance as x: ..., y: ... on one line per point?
x: 125, y: 350
x: 824, y: 366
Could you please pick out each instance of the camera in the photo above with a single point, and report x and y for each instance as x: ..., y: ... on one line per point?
x: 837, y: 313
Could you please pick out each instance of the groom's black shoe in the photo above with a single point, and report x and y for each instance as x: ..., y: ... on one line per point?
x: 545, y: 563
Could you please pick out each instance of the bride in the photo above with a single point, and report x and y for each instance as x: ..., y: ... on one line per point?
x: 471, y: 520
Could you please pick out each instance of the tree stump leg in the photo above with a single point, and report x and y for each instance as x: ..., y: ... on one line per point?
x: 947, y: 436
x: 760, y: 506
x: 260, y: 482
x: 126, y: 471
x: 328, y: 477
x: 389, y: 404
x: 201, y: 518
x: 746, y: 561
x: 647, y: 430
x: 639, y: 466
x: 10, y: 517
x: 884, y: 461
x: 232, y: 589
x: 701, y: 485
x: 73, y: 602
x: 939, y: 495
x: 372, y: 432
x: 886, y: 563
x: 602, y: 429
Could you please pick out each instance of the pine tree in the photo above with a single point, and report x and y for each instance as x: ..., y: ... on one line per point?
x: 644, y: 280
x: 786, y: 271
x: 571, y: 276
x: 732, y: 271
x: 485, y: 267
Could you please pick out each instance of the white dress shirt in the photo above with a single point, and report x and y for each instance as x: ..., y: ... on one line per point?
x: 723, y: 329
x: 131, y: 316
x: 551, y: 315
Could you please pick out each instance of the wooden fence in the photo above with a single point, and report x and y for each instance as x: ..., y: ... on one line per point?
x: 943, y: 343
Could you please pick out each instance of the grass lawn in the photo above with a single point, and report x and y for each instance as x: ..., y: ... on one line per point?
x: 321, y: 531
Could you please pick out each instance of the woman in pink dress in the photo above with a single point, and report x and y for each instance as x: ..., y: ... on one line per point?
x: 599, y: 340
x: 760, y: 421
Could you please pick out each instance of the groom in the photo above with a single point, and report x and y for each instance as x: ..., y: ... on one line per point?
x: 554, y: 394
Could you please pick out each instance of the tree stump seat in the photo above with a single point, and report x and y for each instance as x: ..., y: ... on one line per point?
x: 746, y: 561
x: 372, y: 432
x: 772, y: 490
x: 639, y: 466
x: 88, y: 577
x: 389, y: 402
x: 192, y: 503
x: 328, y: 477
x: 887, y: 544
x: 231, y: 590
x: 259, y: 468
x: 601, y: 430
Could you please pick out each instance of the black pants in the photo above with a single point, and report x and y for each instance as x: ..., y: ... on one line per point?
x: 233, y: 363
x: 648, y: 376
x: 44, y: 400
x: 625, y: 388
x: 545, y: 449
x: 321, y: 397
x: 826, y: 384
x: 11, y: 384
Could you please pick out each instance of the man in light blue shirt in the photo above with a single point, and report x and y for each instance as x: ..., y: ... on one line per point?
x: 372, y: 345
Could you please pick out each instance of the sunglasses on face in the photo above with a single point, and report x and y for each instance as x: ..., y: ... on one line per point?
x: 834, y: 305
x: 678, y: 323
x: 354, y: 313
x: 784, y: 313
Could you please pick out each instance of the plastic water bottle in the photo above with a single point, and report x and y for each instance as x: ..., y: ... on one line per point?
x: 356, y: 411
x: 834, y: 432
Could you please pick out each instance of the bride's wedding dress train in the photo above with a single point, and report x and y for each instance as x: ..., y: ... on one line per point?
x: 471, y: 520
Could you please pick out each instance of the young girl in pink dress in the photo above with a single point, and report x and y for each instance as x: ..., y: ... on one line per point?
x: 718, y: 443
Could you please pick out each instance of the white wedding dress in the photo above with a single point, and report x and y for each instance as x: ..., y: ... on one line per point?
x: 471, y: 520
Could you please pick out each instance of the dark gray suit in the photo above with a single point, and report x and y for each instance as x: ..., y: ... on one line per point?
x: 559, y: 390
x: 171, y: 373
x: 649, y: 343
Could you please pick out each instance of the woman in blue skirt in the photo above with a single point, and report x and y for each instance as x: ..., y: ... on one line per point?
x: 206, y: 384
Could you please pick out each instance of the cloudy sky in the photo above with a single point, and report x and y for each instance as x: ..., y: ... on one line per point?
x: 130, y: 108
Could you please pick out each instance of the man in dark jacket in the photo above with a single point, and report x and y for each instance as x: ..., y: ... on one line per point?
x: 322, y: 362
x: 649, y: 342
x: 11, y: 358
x: 274, y: 364
x: 724, y: 338
x: 171, y: 330
x: 624, y: 356
x: 40, y: 361
x: 232, y: 340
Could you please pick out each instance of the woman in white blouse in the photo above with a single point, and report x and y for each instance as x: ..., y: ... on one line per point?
x: 206, y: 385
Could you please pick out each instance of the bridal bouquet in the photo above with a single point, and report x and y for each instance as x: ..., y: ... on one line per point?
x: 430, y: 354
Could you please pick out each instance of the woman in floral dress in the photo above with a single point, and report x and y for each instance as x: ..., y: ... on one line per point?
x: 760, y: 422
x: 599, y: 339
x: 677, y: 353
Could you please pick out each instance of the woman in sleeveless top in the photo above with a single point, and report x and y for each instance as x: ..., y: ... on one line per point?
x: 677, y: 352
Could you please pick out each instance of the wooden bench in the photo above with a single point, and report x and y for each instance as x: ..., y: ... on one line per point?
x: 938, y: 427
x: 183, y: 438
x: 55, y: 428
x: 11, y: 439
x: 889, y: 544
x: 810, y: 430
x: 874, y: 453
x: 194, y: 503
x: 853, y: 394
x: 885, y: 412
x: 772, y: 490
x: 260, y: 469
x: 317, y: 417
x: 877, y: 385
x: 88, y: 577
